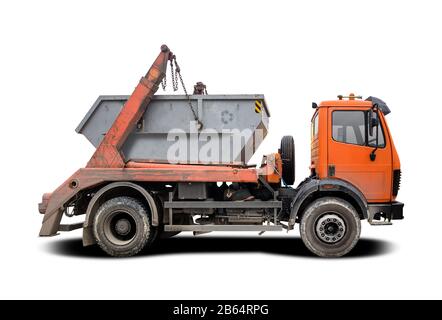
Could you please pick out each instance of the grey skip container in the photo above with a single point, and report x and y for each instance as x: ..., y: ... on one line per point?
x: 232, y: 128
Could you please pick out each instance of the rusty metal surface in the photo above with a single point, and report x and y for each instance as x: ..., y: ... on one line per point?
x: 200, y: 88
x: 108, y: 153
x: 88, y: 238
x: 42, y: 206
x: 89, y: 177
x: 94, y: 203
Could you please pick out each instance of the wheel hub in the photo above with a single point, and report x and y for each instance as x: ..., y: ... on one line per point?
x: 123, y: 227
x: 330, y: 228
x: 120, y: 227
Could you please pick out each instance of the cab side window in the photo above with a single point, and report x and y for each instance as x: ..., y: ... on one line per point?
x: 352, y: 127
x: 349, y: 127
x: 315, y: 124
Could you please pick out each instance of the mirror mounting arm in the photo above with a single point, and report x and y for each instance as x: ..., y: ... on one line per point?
x: 373, y: 153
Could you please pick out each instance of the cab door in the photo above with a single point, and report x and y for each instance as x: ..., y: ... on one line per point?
x: 350, y: 146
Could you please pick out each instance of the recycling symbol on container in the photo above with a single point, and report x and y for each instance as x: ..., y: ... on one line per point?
x: 226, y: 117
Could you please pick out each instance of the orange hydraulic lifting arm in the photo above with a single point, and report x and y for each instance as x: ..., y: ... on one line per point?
x: 108, y: 153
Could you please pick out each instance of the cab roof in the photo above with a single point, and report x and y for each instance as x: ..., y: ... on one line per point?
x: 356, y: 102
x: 346, y: 103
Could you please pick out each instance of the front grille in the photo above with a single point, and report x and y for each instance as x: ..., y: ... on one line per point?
x: 396, y: 181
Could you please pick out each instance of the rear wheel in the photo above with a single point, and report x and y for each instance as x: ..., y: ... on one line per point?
x: 122, y: 227
x: 330, y: 227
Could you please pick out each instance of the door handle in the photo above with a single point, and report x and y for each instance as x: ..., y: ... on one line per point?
x: 331, y: 170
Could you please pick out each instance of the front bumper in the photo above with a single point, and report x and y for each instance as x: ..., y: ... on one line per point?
x: 389, y: 211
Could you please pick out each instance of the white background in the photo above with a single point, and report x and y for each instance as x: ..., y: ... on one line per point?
x: 56, y: 57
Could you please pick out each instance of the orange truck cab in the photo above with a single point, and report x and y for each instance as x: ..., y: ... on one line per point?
x: 355, y: 175
x: 352, y: 150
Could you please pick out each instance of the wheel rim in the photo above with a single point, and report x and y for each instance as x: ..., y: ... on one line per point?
x: 330, y: 228
x: 120, y: 227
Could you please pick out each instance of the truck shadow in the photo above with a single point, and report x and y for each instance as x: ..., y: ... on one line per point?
x: 194, y: 245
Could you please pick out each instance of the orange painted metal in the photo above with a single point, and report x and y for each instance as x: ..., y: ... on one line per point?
x: 179, y: 173
x: 396, y: 163
x: 352, y: 162
x: 108, y: 153
x: 314, y: 149
x: 346, y: 103
x: 272, y: 171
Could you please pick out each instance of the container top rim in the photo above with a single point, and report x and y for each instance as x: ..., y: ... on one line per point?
x: 172, y: 97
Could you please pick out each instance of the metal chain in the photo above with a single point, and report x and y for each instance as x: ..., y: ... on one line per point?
x: 178, y: 71
x: 175, y: 73
x: 164, y: 83
x: 174, y: 77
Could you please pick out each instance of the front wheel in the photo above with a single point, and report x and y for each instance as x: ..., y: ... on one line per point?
x: 330, y: 227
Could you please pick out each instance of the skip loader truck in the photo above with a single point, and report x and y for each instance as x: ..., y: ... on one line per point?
x: 165, y: 164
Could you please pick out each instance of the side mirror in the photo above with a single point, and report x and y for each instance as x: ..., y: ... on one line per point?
x: 374, y: 123
x: 314, y: 105
x: 370, y: 121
